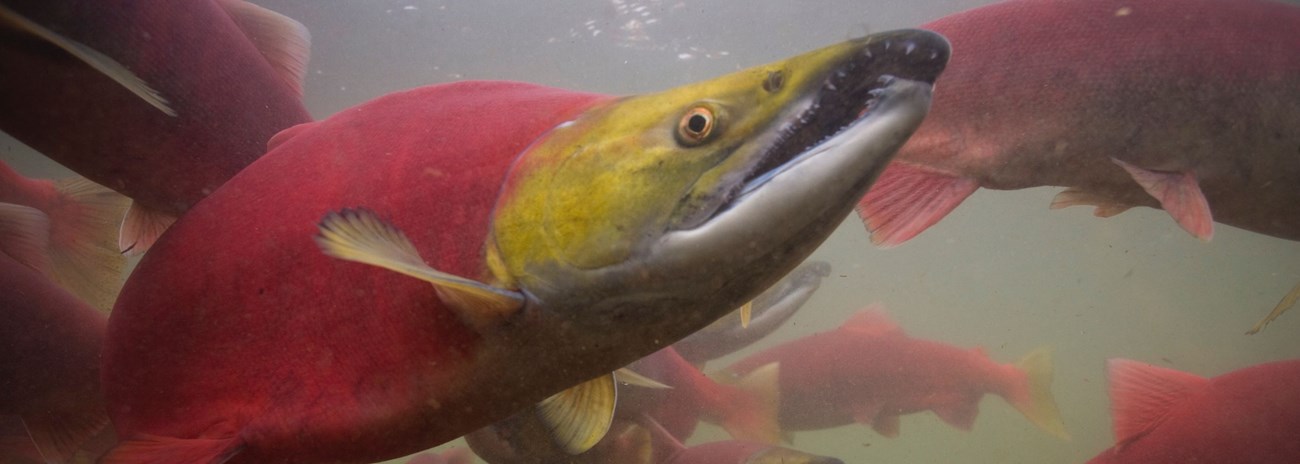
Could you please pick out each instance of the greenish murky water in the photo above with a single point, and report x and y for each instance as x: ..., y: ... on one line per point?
x: 1002, y: 271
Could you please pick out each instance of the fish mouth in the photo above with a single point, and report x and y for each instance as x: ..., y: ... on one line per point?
x: 848, y: 93
x: 818, y: 157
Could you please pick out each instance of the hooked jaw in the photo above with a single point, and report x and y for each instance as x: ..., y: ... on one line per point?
x: 819, y: 159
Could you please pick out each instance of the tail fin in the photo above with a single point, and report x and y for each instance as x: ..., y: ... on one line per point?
x: 152, y: 449
x: 1036, y: 401
x: 83, y: 248
x: 748, y: 409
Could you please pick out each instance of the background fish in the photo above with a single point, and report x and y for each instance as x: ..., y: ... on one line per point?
x: 1166, y: 416
x: 769, y: 311
x: 49, y: 351
x: 226, y: 75
x: 869, y: 372
x: 1186, y: 105
x: 82, y: 225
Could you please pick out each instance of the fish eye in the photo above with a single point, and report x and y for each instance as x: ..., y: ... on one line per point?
x: 775, y: 80
x: 695, y: 126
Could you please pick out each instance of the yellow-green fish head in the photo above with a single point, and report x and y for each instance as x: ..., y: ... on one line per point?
x: 703, y: 195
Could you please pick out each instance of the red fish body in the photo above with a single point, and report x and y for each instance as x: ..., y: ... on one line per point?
x: 49, y: 367
x: 302, y: 372
x: 869, y: 372
x: 228, y: 98
x: 1188, y: 105
x: 1166, y: 416
x: 421, y: 265
x: 744, y: 412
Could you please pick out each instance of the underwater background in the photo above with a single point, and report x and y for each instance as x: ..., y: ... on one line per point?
x: 1001, y: 271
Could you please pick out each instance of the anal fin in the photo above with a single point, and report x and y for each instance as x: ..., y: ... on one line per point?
x: 83, y: 246
x: 1103, y: 207
x: 1179, y: 194
x: 907, y: 199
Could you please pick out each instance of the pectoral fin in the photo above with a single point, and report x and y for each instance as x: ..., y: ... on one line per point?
x: 580, y: 416
x: 1179, y: 194
x: 1282, y: 306
x: 359, y: 235
x: 907, y: 199
x: 99, y: 61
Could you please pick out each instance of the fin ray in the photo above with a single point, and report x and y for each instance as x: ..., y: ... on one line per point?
x: 93, y: 58
x: 1141, y: 396
x: 907, y: 199
x: 1038, y: 404
x: 359, y: 235
x: 580, y: 416
x: 141, y: 229
x: 285, y: 43
x: 153, y: 449
x: 25, y: 236
x: 1179, y: 194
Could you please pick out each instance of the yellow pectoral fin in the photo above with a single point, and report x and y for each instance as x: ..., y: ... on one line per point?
x: 359, y: 235
x: 631, y: 377
x: 580, y: 416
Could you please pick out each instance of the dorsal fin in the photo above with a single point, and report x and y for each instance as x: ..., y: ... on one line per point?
x: 872, y: 321
x: 1141, y: 396
x: 285, y: 43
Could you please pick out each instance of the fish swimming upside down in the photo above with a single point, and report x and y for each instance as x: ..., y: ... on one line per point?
x: 565, y: 235
x: 1192, y: 106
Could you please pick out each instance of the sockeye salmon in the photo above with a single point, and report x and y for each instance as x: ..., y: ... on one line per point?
x: 49, y: 349
x: 868, y: 371
x: 161, y: 100
x: 1163, y: 416
x: 1186, y: 105
x: 565, y: 235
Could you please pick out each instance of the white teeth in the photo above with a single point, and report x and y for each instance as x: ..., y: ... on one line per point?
x: 910, y: 48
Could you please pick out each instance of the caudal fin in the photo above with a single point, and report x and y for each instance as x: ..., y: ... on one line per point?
x: 749, y: 408
x: 152, y: 449
x: 1035, y: 399
x: 83, y: 248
